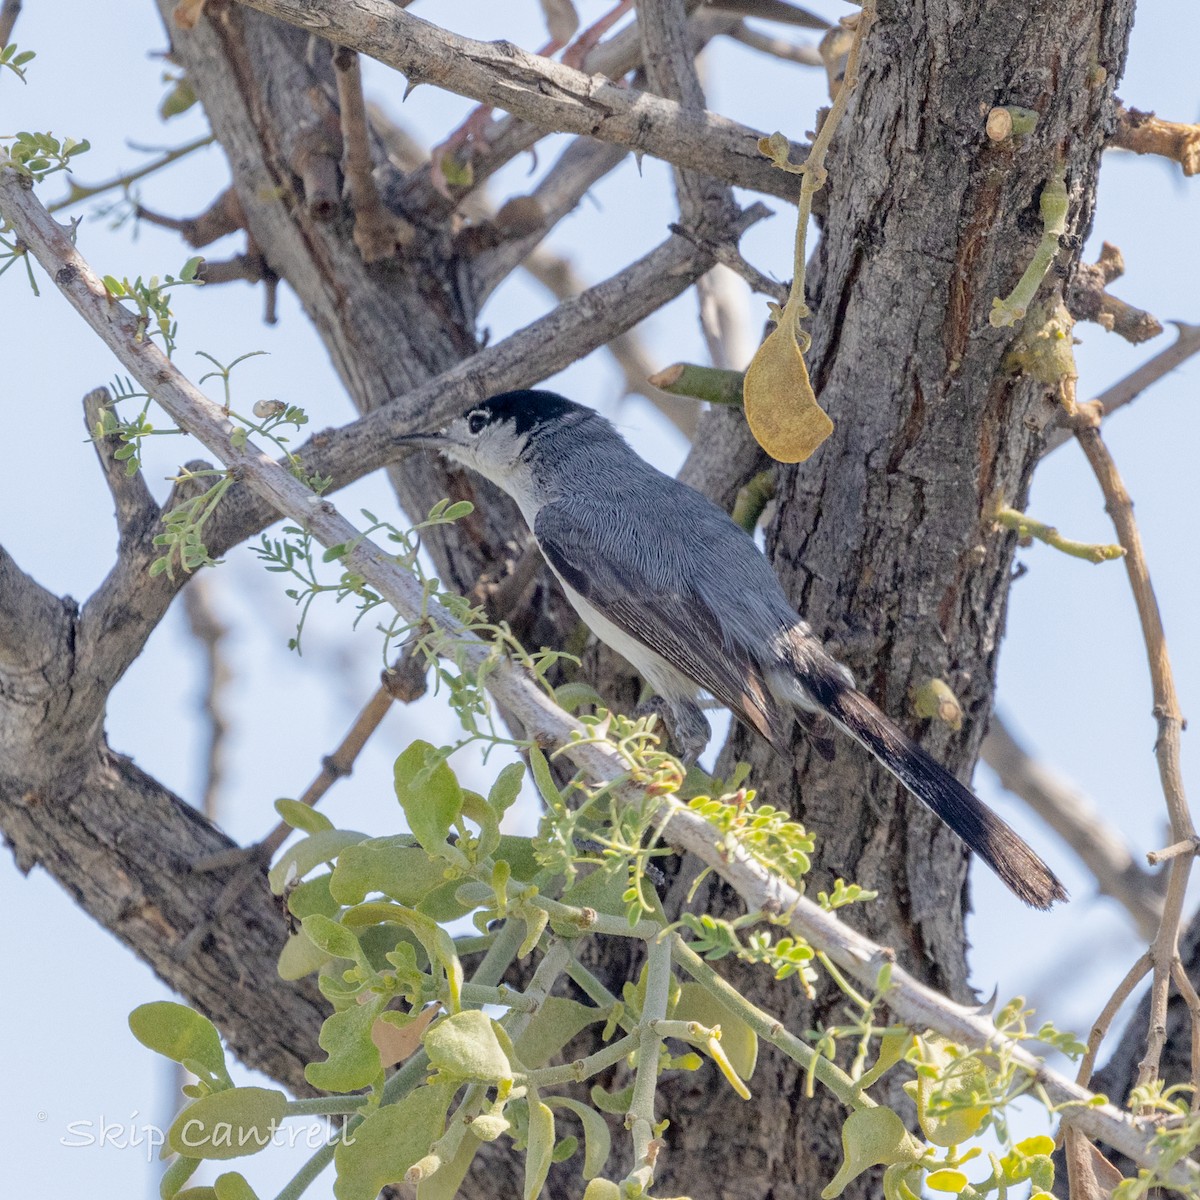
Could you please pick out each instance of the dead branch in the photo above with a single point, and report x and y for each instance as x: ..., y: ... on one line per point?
x: 1089, y: 300
x: 1164, y: 952
x: 1144, y: 133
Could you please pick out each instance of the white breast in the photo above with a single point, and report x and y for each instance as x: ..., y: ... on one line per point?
x: 658, y: 673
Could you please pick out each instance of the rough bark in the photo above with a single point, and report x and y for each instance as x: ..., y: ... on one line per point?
x: 883, y: 539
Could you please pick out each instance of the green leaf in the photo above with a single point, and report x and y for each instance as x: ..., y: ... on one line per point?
x: 871, y: 1137
x: 955, y: 1082
x: 600, y: 889
x: 334, y: 938
x: 429, y: 794
x: 552, y: 1027
x: 464, y: 1045
x: 302, y: 816
x: 391, y: 865
x: 540, y: 1150
x: 439, y: 945
x: 233, y: 1186
x: 616, y: 1103
x: 477, y: 810
x: 458, y: 510
x: 175, y: 1176
x: 299, y: 957
x: 296, y: 861
x: 228, y: 1124
x: 597, y: 1139
x: 738, y: 1040
x: 353, y: 1060
x: 543, y: 778
x: 312, y: 896
x: 183, y: 1035
x: 507, y: 788
x: 390, y: 1141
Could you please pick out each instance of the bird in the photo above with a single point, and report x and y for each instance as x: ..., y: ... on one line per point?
x: 667, y: 579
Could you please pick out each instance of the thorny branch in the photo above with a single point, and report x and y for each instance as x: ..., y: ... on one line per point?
x: 911, y: 1001
x: 553, y: 97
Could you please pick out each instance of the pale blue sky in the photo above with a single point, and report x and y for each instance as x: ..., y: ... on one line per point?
x: 1073, y: 678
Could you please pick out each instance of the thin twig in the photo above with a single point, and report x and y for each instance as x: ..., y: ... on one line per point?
x: 209, y: 631
x: 85, y: 191
x: 1108, y: 1013
x: 912, y: 1002
x: 1164, y: 952
x: 804, y: 53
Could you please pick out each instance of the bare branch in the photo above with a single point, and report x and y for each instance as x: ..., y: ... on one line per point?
x: 1144, y: 133
x: 377, y: 232
x: 1088, y: 299
x: 668, y: 56
x: 1076, y: 820
x: 1164, y: 952
x: 806, y: 54
x: 1136, y: 382
x: 547, y: 94
x: 136, y: 509
x: 911, y: 1001
x: 582, y: 164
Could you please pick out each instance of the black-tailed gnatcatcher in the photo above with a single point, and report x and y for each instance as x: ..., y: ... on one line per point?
x: 668, y: 580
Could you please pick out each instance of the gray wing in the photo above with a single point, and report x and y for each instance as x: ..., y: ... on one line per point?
x: 669, y: 615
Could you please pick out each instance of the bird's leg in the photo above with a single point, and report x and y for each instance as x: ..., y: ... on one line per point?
x: 684, y: 723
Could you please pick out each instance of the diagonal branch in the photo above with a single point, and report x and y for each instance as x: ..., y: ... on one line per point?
x: 911, y: 1001
x: 553, y: 97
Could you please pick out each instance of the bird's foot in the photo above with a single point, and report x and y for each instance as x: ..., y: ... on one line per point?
x: 684, y: 723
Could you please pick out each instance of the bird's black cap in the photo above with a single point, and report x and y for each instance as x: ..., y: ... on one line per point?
x: 528, y: 408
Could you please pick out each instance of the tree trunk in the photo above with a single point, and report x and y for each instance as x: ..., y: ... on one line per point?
x: 883, y: 540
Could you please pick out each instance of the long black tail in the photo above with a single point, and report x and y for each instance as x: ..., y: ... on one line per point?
x: 1016, y: 864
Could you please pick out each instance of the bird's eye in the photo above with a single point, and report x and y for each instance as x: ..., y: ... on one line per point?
x: 476, y: 421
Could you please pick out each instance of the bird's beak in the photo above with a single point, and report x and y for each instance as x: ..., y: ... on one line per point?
x: 421, y: 440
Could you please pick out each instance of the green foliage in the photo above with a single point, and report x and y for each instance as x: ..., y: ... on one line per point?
x: 15, y: 59
x: 151, y: 300
x: 36, y: 155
